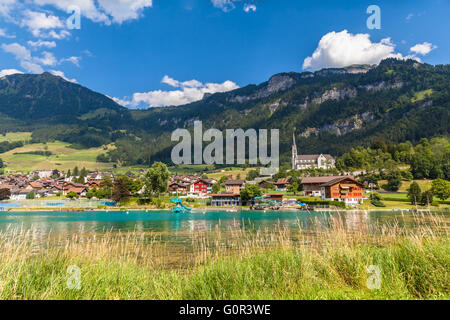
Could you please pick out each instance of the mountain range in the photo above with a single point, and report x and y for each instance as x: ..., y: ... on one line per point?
x: 330, y: 111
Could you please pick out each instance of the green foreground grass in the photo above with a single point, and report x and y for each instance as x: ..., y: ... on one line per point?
x: 413, y: 265
x: 409, y: 271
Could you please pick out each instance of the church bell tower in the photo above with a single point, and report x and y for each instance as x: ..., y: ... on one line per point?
x: 294, y: 152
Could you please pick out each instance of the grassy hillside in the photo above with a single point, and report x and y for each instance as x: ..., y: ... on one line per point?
x: 62, y: 158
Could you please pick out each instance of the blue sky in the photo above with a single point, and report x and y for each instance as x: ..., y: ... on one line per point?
x: 147, y: 52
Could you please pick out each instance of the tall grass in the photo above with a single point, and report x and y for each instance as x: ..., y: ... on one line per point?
x: 328, y: 262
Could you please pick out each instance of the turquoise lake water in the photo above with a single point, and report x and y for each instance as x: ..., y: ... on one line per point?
x: 97, y: 222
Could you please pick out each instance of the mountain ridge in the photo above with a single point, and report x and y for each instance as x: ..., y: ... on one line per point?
x: 330, y: 110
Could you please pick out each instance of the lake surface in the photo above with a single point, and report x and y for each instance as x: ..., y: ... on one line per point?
x: 167, y: 222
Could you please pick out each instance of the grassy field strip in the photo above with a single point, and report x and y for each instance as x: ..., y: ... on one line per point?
x: 15, y: 136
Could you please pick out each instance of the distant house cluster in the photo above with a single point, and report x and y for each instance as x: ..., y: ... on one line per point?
x: 51, y: 183
x: 191, y: 185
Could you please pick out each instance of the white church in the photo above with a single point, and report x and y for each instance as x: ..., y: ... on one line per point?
x: 310, y: 161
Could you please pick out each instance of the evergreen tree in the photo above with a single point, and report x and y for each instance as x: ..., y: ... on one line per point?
x: 120, y: 192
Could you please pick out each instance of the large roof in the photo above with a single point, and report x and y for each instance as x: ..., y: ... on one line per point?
x: 234, y: 182
x: 313, y: 156
x: 322, y: 179
x: 337, y: 180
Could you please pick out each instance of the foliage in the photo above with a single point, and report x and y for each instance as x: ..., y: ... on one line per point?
x: 157, y: 178
x: 295, y: 187
x: 120, y: 191
x: 250, y: 191
x: 72, y: 195
x: 252, y: 175
x: 5, y: 194
x: 31, y: 196
x: 216, y: 187
x: 428, y: 159
x: 394, y: 181
x: 441, y: 189
x: 414, y: 193
x: 377, y: 203
x: 427, y: 198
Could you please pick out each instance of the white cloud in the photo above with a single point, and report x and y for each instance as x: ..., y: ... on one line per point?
x: 104, y: 11
x: 4, y: 34
x: 47, y: 59
x: 37, y: 21
x: 423, y: 49
x: 20, y: 52
x: 342, y: 49
x: 88, y: 8
x: 41, y: 43
x: 62, y: 75
x: 188, y: 91
x: 74, y: 60
x: 8, y: 72
x: 249, y: 7
x: 27, y: 61
x: 225, y: 5
x: 31, y: 67
x: 6, y: 6
x: 123, y: 10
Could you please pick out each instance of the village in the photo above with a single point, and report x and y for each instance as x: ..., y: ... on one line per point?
x: 254, y: 191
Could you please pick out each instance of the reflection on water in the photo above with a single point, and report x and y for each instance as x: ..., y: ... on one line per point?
x: 166, y: 222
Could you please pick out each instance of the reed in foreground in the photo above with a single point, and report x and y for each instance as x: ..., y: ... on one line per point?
x: 337, y: 263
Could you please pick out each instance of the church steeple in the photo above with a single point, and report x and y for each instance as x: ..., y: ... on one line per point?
x: 294, y: 151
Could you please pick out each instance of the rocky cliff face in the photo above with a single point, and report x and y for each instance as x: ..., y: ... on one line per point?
x: 277, y: 83
x: 341, y: 127
x: 383, y: 86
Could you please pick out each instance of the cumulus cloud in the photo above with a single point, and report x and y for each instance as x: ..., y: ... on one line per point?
x: 105, y: 11
x: 186, y: 92
x: 27, y: 61
x: 62, y: 75
x: 4, y: 34
x: 47, y: 59
x: 123, y: 10
x: 88, y: 8
x: 20, y: 52
x: 41, y: 43
x: 249, y: 7
x: 31, y: 67
x: 37, y: 21
x: 6, y: 6
x: 74, y: 60
x: 225, y: 5
x: 8, y: 72
x: 342, y: 49
x: 423, y: 49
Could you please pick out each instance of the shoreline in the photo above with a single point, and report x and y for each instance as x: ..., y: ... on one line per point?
x: 197, y: 210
